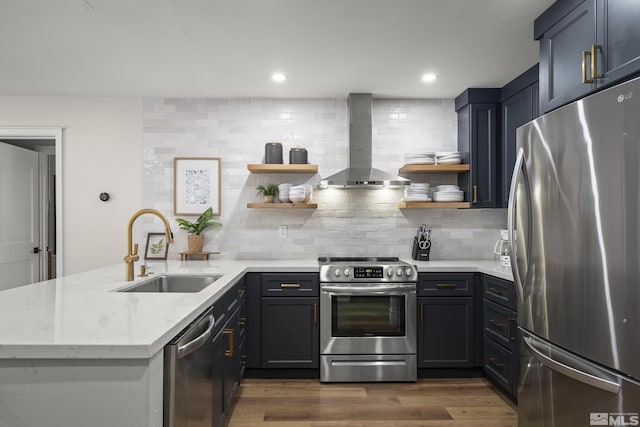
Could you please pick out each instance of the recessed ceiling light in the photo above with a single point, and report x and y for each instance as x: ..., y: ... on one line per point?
x: 278, y: 77
x: 429, y: 77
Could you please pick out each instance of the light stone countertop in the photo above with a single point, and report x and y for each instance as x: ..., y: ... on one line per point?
x: 81, y: 315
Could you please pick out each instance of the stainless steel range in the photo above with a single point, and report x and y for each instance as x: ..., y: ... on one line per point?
x: 367, y: 320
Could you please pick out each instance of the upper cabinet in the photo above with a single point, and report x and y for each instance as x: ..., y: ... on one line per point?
x: 618, y: 38
x: 519, y: 106
x: 586, y: 45
x: 478, y: 138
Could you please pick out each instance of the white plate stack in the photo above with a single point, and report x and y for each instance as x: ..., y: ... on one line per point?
x: 427, y: 158
x: 448, y: 193
x: 449, y: 158
x: 417, y: 193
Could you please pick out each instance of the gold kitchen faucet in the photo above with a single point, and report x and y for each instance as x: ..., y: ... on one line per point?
x: 132, y: 253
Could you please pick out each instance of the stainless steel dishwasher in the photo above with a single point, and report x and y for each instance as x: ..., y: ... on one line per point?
x: 188, y: 375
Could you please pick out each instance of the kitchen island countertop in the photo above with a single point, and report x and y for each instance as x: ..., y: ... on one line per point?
x: 82, y: 316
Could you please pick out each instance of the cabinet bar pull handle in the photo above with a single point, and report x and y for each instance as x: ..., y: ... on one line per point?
x: 229, y: 352
x: 475, y: 194
x: 496, y: 364
x: 496, y: 291
x: 594, y: 64
x: 290, y: 285
x: 584, y: 67
x: 315, y: 313
x: 509, y: 320
x: 446, y: 285
x: 421, y: 313
x: 495, y: 324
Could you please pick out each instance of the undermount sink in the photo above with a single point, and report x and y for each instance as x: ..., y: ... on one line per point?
x: 173, y: 283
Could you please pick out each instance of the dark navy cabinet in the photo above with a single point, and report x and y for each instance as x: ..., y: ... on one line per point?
x: 446, y: 320
x: 290, y: 322
x: 500, y: 344
x: 586, y: 45
x: 478, y: 138
x: 565, y: 31
x: 618, y: 38
x: 253, y: 321
x: 519, y: 106
x: 228, y: 348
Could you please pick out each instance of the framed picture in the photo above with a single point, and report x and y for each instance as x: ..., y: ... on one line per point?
x: 196, y: 185
x: 157, y: 247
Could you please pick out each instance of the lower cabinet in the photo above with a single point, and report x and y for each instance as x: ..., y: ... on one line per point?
x: 290, y: 321
x: 228, y: 346
x: 501, y: 354
x: 291, y: 332
x: 446, y: 320
x: 445, y: 330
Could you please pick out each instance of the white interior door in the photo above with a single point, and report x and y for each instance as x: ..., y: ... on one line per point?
x: 19, y: 217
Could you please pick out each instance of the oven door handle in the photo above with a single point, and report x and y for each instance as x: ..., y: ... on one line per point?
x: 369, y: 288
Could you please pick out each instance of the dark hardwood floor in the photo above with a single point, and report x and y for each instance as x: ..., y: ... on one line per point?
x: 429, y: 402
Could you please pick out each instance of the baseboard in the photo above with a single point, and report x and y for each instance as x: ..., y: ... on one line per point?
x: 283, y: 373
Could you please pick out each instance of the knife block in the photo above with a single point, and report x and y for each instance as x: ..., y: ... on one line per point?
x: 420, y: 254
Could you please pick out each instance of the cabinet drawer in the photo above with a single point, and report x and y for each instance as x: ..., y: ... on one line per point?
x: 499, y: 291
x: 500, y: 365
x: 294, y: 284
x: 449, y: 284
x: 500, y: 324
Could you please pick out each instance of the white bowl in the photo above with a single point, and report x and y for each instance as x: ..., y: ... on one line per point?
x: 308, y: 192
x: 297, y: 198
x: 283, y: 192
x: 283, y: 196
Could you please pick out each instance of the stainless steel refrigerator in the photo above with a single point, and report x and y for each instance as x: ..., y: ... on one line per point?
x: 574, y: 224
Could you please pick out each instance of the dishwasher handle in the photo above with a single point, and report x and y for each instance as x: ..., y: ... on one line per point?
x: 196, y: 343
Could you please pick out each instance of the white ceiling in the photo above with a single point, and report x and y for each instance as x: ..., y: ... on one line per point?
x: 230, y: 48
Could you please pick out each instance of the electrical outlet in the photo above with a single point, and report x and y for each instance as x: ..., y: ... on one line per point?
x: 282, y: 231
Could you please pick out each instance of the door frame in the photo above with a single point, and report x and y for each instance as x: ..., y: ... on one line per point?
x: 55, y: 133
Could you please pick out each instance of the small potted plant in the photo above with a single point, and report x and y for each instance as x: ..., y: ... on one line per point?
x: 195, y: 240
x: 268, y: 191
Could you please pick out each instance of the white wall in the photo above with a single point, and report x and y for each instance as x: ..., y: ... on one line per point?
x: 347, y: 222
x: 102, y: 151
x: 104, y: 145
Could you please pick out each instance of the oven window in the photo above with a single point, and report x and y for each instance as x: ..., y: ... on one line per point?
x: 367, y: 316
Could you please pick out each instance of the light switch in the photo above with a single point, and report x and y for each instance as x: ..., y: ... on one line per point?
x: 282, y: 231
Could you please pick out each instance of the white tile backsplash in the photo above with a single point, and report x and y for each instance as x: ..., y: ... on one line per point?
x: 347, y: 222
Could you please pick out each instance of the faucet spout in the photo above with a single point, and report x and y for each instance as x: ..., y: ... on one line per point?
x: 132, y: 250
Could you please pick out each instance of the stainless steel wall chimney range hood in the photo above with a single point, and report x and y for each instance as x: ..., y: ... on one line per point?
x: 359, y: 173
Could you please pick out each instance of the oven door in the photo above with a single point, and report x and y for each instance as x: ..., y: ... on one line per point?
x: 368, y: 318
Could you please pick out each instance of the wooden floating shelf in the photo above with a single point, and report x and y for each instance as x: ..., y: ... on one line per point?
x: 282, y: 205
x: 434, y: 205
x: 278, y: 168
x: 433, y: 168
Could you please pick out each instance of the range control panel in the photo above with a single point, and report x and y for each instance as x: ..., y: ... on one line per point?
x: 348, y: 271
x: 368, y: 272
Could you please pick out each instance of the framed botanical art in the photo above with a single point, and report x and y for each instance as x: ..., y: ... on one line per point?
x: 196, y: 185
x: 157, y: 247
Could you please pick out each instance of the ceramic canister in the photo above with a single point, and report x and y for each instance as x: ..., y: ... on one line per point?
x: 273, y: 153
x: 298, y: 155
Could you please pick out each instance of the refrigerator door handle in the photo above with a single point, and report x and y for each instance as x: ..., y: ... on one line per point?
x: 563, y: 368
x: 511, y: 222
